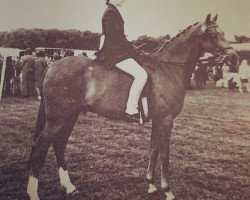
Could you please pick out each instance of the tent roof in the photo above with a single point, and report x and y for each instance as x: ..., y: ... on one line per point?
x: 241, y: 46
x: 9, y: 51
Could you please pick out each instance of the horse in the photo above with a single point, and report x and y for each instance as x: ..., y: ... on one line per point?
x: 79, y: 84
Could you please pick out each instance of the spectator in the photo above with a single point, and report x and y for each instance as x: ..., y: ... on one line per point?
x: 9, y: 74
x: 28, y: 70
x: 1, y: 64
x: 18, y: 67
x: 50, y: 60
x: 230, y: 79
x: 69, y: 53
x: 217, y: 71
x: 16, y: 91
x: 56, y: 57
x: 84, y: 54
x: 200, y: 75
x: 40, y: 67
x: 244, y: 75
x: 226, y: 75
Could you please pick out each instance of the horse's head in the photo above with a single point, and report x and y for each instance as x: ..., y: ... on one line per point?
x: 213, y: 41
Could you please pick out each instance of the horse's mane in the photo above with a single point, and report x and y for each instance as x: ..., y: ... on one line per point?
x: 154, y: 57
x: 169, y: 42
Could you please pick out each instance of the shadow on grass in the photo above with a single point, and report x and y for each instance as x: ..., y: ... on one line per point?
x: 14, y: 180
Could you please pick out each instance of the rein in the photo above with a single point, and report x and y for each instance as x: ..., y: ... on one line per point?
x: 155, y: 58
x: 174, y: 62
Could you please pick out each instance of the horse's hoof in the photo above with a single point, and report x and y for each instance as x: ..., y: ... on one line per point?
x: 169, y: 196
x: 75, y: 192
x: 156, y: 195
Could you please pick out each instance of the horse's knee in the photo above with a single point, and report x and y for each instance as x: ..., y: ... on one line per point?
x: 168, y: 123
x: 165, y: 132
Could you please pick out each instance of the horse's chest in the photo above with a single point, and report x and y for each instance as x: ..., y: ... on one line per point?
x: 167, y: 95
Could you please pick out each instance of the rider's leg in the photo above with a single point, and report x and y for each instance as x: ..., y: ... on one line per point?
x: 131, y: 67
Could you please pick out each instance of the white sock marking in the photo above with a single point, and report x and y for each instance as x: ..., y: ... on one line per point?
x: 65, y: 181
x: 151, y: 188
x: 32, y: 188
x: 169, y: 196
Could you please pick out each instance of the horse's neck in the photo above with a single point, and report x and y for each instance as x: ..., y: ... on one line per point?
x: 185, y: 48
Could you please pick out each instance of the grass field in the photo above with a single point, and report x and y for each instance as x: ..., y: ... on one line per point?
x: 210, y: 152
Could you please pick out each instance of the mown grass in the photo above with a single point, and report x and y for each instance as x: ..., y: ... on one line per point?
x: 210, y: 152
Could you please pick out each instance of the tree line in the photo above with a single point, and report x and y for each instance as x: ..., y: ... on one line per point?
x: 71, y: 39
x: 242, y: 39
x: 53, y: 38
x: 74, y: 39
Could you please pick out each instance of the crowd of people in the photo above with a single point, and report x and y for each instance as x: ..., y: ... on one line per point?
x: 24, y: 75
x: 218, y: 70
x: 232, y: 79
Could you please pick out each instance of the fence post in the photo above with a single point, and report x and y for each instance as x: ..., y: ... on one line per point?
x: 2, y: 78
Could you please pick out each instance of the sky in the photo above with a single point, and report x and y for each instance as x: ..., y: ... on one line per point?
x: 142, y: 17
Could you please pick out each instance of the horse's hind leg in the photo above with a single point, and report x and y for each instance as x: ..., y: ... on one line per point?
x: 59, y: 146
x: 41, y: 119
x: 38, y: 155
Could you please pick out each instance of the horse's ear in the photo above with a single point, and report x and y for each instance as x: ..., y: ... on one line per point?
x: 215, y: 18
x: 208, y: 19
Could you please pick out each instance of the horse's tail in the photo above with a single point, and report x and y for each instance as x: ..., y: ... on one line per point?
x: 41, y: 118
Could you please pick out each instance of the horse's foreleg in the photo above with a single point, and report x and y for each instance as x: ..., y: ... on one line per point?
x: 154, y: 151
x: 59, y: 146
x: 165, y: 129
x: 38, y: 156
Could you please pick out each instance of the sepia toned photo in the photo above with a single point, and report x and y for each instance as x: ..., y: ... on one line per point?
x: 124, y: 99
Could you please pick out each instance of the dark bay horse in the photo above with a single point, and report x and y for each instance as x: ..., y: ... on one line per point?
x: 77, y: 84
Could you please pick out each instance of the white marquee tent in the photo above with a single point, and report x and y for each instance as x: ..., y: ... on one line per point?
x: 9, y: 52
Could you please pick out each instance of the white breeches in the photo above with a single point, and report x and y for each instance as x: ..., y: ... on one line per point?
x: 131, y: 67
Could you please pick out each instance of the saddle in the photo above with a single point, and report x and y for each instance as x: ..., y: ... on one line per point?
x: 139, y: 56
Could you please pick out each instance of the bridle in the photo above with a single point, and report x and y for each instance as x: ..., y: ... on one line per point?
x: 207, y: 34
x: 221, y: 50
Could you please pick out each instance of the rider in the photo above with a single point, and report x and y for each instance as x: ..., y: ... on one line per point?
x: 117, y: 51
